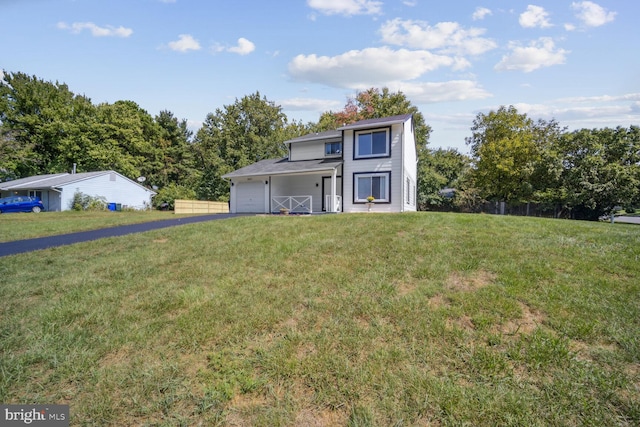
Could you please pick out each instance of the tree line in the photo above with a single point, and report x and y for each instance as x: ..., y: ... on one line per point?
x: 46, y: 128
x: 582, y: 174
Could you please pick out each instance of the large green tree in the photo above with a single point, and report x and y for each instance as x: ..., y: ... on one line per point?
x: 44, y: 121
x: 505, y: 154
x: 375, y: 103
x: 249, y: 130
x: 601, y: 170
x: 46, y: 128
x: 440, y: 169
x: 125, y: 139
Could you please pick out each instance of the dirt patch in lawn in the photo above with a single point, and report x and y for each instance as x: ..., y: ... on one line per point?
x: 530, y: 320
x: 469, y: 282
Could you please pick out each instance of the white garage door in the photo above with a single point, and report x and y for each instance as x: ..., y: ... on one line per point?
x: 250, y: 197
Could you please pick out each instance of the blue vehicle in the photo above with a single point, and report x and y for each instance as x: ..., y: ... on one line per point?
x: 20, y: 204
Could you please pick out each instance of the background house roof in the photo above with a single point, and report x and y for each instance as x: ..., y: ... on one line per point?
x: 16, y: 183
x: 284, y: 166
x: 56, y: 180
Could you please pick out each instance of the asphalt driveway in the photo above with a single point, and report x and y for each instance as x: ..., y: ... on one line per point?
x: 28, y: 245
x: 628, y: 219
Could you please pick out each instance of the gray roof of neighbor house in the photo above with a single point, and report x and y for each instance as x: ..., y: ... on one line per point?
x: 54, y: 180
x: 382, y: 121
x: 284, y: 166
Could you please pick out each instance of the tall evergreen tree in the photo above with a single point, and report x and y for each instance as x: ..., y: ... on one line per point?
x: 177, y: 162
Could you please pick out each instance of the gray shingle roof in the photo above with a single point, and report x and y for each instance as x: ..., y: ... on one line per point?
x: 284, y: 166
x: 382, y: 121
x: 330, y: 134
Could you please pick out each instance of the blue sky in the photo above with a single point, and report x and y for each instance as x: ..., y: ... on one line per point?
x: 575, y: 61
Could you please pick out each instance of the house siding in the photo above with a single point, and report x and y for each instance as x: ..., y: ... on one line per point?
x: 112, y: 186
x: 310, y: 150
x: 391, y: 164
x: 307, y: 151
x: 410, y: 162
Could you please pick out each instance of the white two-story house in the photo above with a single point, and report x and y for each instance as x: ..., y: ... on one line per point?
x: 335, y: 171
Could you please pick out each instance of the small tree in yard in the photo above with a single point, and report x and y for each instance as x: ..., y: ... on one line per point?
x: 166, y: 197
x: 84, y: 202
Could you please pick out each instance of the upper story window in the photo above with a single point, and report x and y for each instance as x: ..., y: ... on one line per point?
x: 372, y: 144
x: 333, y: 148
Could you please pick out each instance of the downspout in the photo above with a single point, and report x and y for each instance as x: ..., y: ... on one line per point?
x: 402, y: 178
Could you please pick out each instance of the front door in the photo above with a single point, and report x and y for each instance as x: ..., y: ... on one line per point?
x: 326, y: 190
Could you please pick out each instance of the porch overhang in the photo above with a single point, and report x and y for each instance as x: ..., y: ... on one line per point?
x: 283, y: 166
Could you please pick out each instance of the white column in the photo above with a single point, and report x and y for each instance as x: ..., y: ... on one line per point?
x: 334, y: 178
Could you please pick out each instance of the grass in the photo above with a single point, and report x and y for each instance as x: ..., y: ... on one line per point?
x: 354, y: 319
x: 29, y: 225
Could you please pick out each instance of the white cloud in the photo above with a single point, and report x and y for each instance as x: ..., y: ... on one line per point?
x: 96, y: 31
x: 576, y: 116
x: 310, y: 104
x: 592, y: 14
x: 446, y: 36
x: 602, y: 98
x: 361, y: 69
x: 480, y: 13
x: 434, y: 92
x: 244, y: 47
x: 346, y: 7
x: 185, y: 43
x: 410, y: 3
x: 535, y: 16
x: 588, y: 112
x: 540, y: 53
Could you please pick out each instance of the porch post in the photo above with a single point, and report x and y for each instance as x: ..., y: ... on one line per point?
x: 334, y: 178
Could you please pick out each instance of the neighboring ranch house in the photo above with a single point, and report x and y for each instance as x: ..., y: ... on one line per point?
x: 57, y: 190
x: 335, y: 171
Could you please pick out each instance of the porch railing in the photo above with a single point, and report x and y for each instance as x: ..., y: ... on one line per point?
x: 332, y: 207
x: 295, y: 204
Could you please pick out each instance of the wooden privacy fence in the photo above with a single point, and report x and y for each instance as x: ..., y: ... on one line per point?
x: 200, y: 207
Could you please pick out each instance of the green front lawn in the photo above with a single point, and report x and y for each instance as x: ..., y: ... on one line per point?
x: 352, y: 319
